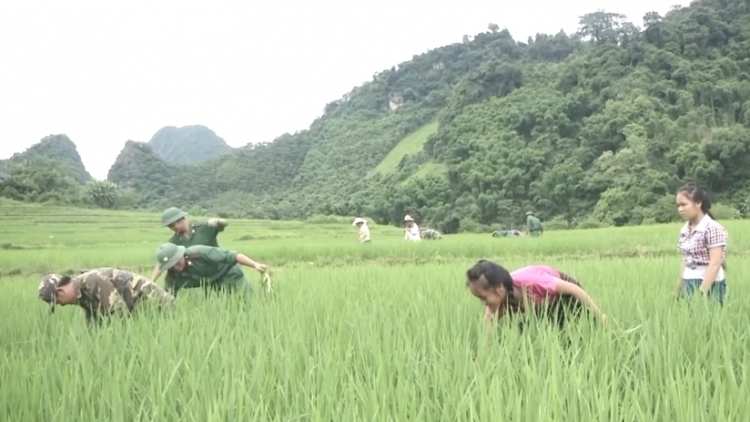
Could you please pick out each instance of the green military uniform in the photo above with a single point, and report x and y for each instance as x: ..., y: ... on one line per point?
x: 107, y: 291
x: 203, y: 233
x: 208, y: 267
x: 534, y: 224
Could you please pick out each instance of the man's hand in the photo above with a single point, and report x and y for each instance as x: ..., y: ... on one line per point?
x: 261, y: 267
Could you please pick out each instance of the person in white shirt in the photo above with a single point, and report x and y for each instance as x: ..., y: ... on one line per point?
x: 364, y: 231
x: 411, y: 232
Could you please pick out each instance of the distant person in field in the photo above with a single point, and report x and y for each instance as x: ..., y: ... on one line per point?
x: 103, y: 292
x: 187, y: 233
x: 506, y: 233
x: 540, y: 287
x: 533, y: 225
x: 703, y: 245
x: 411, y: 231
x: 207, y: 267
x: 364, y: 231
x: 430, y: 234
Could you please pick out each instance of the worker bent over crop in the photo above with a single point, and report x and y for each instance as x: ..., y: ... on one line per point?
x: 188, y: 233
x: 544, y: 288
x: 533, y: 225
x: 103, y: 292
x: 430, y: 234
x: 205, y: 266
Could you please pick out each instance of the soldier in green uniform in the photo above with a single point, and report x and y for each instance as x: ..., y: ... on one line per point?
x: 533, y: 225
x: 187, y: 233
x: 103, y: 292
x: 205, y: 266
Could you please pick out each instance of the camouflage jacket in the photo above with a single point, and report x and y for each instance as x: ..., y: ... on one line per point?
x: 108, y: 291
x: 431, y: 234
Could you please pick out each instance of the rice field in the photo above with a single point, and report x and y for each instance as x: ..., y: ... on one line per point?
x: 379, y: 332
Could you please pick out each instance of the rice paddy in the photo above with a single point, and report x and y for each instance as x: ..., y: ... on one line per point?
x: 378, y: 332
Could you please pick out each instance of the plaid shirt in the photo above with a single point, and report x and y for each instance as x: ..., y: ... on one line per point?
x: 708, y: 234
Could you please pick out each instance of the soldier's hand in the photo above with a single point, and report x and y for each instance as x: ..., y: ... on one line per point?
x: 261, y: 267
x: 213, y: 221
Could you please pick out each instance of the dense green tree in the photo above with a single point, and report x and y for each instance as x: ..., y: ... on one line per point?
x: 596, y: 127
x: 102, y: 193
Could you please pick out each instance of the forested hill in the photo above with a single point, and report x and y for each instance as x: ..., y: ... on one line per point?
x: 57, y: 148
x: 597, y: 127
x: 187, y: 144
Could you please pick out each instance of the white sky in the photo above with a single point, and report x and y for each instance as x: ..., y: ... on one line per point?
x: 103, y: 72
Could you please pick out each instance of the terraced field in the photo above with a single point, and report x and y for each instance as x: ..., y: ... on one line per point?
x: 379, y: 332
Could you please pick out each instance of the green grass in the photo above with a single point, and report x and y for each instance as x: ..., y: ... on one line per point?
x: 380, y: 332
x: 428, y: 169
x: 411, y: 144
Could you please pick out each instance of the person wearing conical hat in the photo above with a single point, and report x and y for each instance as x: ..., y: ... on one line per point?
x: 364, y: 231
x: 411, y: 231
x: 533, y: 225
x: 103, y: 292
x: 207, y: 267
x: 188, y: 233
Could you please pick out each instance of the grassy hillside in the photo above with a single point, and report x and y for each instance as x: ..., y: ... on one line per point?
x: 410, y: 145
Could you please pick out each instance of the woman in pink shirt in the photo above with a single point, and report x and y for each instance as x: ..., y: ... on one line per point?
x: 536, y: 286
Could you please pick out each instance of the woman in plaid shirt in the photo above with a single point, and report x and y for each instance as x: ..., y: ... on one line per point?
x: 541, y: 287
x: 703, y: 244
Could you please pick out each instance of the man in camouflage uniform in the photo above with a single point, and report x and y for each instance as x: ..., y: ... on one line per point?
x: 103, y: 292
x: 430, y: 234
x: 187, y: 233
x: 533, y: 225
x: 207, y: 267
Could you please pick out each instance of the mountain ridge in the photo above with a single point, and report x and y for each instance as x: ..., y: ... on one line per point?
x: 187, y: 144
x: 594, y: 128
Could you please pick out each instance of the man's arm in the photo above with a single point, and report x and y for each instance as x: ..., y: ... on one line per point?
x: 218, y: 223
x: 107, y: 294
x: 155, y: 294
x: 224, y: 256
x: 246, y: 261
x: 123, y: 282
x: 90, y: 317
x: 156, y: 274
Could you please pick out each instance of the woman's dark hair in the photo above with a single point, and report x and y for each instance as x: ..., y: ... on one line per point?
x: 697, y: 194
x: 495, y: 275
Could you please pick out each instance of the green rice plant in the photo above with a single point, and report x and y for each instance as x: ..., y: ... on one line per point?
x: 385, y: 331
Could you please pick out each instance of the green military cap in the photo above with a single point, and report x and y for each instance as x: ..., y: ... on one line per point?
x: 527, y: 213
x: 172, y: 215
x: 48, y: 288
x: 168, y: 255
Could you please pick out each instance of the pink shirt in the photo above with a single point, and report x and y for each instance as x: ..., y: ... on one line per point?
x: 537, y: 282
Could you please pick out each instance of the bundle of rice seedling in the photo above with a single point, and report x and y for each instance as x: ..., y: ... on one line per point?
x: 267, y: 282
